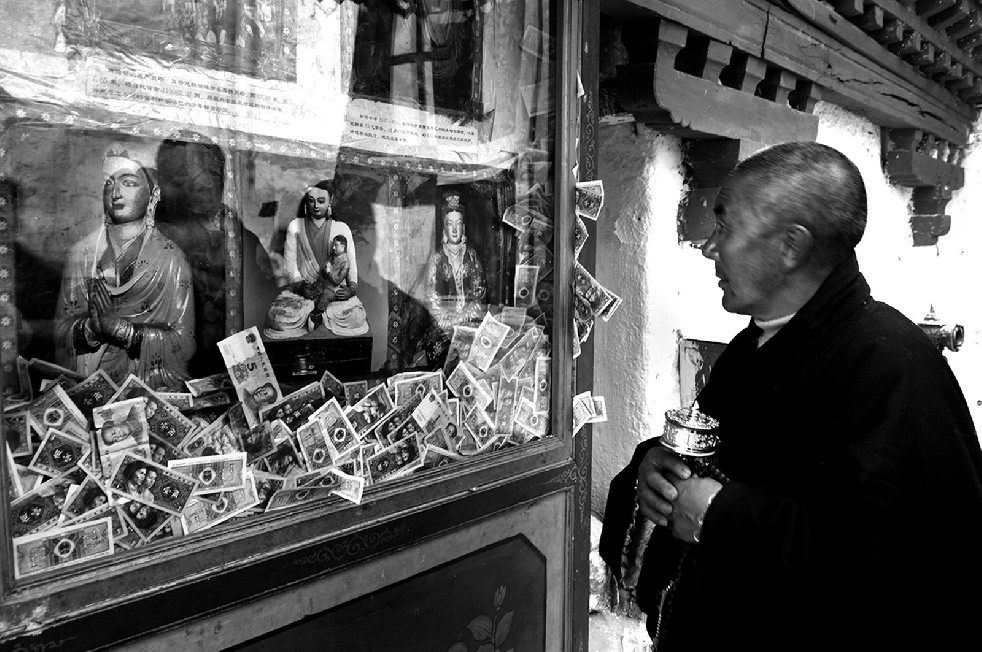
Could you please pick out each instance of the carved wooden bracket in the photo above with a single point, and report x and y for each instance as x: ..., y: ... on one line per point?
x: 933, y: 169
x: 681, y: 81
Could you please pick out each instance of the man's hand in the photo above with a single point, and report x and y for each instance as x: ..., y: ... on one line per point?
x: 656, y: 491
x: 689, y: 508
x: 342, y: 293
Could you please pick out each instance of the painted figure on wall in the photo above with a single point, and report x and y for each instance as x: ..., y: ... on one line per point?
x: 456, y: 273
x: 322, y: 273
x: 126, y: 303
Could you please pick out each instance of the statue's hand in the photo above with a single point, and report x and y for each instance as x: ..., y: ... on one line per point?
x: 342, y: 293
x: 102, y: 312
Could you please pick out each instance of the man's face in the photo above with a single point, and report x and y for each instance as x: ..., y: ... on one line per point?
x: 338, y: 247
x: 264, y: 393
x: 746, y: 253
x: 453, y: 226
x: 115, y: 433
x: 318, y: 203
x: 126, y: 195
x: 151, y: 479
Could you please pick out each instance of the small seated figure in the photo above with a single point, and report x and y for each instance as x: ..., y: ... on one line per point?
x: 337, y: 307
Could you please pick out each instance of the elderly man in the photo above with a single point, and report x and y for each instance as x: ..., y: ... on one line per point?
x: 851, y: 514
x: 125, y: 304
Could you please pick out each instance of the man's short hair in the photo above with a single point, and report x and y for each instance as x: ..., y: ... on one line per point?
x: 815, y: 186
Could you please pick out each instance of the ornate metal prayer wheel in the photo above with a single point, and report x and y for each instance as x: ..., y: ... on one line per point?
x: 690, y: 433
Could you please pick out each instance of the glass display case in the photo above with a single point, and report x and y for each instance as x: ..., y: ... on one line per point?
x: 284, y: 311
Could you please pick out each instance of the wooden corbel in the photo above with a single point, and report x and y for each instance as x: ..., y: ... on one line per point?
x: 915, y: 159
x: 684, y: 82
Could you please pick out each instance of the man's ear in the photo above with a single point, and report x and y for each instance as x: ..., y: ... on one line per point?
x: 797, y: 246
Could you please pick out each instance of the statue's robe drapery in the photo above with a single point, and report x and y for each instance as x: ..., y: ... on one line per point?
x: 150, y: 286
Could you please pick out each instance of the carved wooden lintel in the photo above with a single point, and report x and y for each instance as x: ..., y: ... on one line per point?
x: 918, y: 160
x: 681, y: 87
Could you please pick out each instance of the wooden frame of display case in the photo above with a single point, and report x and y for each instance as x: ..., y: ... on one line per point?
x: 226, y: 574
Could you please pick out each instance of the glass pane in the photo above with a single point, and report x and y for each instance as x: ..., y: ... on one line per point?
x: 238, y: 272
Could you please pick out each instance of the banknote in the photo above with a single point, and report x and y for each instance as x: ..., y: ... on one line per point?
x: 141, y: 520
x: 208, y: 384
x: 17, y: 429
x: 54, y: 409
x: 513, y: 317
x: 366, y: 413
x: 267, y: 484
x: 542, y: 389
x: 338, y: 432
x: 538, y: 43
x: 40, y: 370
x: 40, y: 508
x: 349, y: 487
x: 164, y: 420
x: 332, y: 386
x: 251, y: 372
x: 285, y: 461
x: 214, y: 473
x: 286, y: 498
x: 257, y: 442
x: 312, y: 442
x: 90, y: 495
x: 152, y: 484
x: 520, y: 353
x: 182, y: 401
x: 580, y: 236
x: 202, y: 514
x: 29, y: 481
x: 354, y: 391
x: 96, y: 390
x: 397, y: 460
x: 416, y: 388
x: 529, y: 423
x: 612, y: 307
x: 589, y: 199
x: 408, y: 429
x: 221, y: 436
x: 62, y: 547
x: 465, y: 386
x: 599, y: 409
x: 597, y: 297
x: 583, y: 410
x: 432, y: 413
x: 526, y: 279
x: 479, y: 424
x: 459, y: 348
x: 487, y: 340
x: 58, y: 453
x: 517, y: 216
x: 221, y: 398
x: 296, y: 407
x: 113, y: 512
x: 506, y: 404
x: 438, y: 456
x: 121, y: 427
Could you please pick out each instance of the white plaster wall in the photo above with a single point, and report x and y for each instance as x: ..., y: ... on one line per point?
x: 670, y: 290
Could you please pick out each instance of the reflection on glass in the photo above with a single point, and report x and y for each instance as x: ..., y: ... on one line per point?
x: 207, y: 322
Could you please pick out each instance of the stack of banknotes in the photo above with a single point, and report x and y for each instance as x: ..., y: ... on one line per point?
x: 95, y: 467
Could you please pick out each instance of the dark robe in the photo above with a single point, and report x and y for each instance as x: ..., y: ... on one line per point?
x: 853, y: 518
